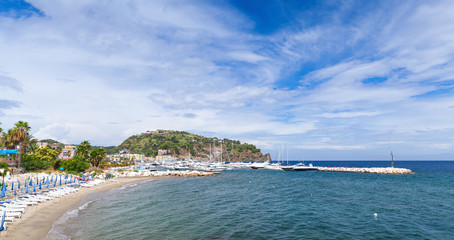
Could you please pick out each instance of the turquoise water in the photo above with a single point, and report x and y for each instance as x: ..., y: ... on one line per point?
x: 261, y: 204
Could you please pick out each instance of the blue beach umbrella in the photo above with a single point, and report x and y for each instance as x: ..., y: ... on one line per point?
x: 60, y: 180
x: 31, y: 182
x: 37, y: 181
x: 40, y: 185
x: 18, y: 184
x: 26, y: 188
x: 55, y: 182
x: 15, y: 191
x: 52, y: 178
x: 12, y: 186
x: 3, y: 221
x: 3, y: 191
x: 34, y: 187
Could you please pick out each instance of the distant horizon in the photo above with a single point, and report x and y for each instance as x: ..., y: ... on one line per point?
x: 327, y: 80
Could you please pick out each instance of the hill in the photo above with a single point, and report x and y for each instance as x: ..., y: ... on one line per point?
x: 187, y: 145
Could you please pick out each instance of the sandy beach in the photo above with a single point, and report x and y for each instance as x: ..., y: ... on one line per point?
x: 38, y: 220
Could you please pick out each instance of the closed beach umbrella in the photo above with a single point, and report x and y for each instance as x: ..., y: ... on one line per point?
x: 31, y: 182
x: 34, y: 187
x: 39, y: 185
x: 12, y: 186
x: 18, y: 184
x: 3, y: 191
x: 15, y: 191
x: 26, y: 188
x: 52, y: 178
x: 3, y: 221
x: 60, y: 180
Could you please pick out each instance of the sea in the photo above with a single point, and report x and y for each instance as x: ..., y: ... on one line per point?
x: 267, y: 204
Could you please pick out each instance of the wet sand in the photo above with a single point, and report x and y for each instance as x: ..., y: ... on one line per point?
x: 37, y: 221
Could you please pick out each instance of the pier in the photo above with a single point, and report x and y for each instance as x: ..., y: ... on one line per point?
x: 377, y: 170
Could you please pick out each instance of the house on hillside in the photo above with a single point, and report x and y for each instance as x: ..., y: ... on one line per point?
x: 67, y: 152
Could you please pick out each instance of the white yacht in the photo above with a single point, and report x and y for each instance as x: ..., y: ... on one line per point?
x: 273, y: 166
x: 304, y: 167
x: 259, y: 165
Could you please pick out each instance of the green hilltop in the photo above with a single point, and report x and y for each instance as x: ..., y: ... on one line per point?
x: 184, y: 145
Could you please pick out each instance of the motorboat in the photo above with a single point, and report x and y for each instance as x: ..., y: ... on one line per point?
x: 273, y: 166
x: 304, y: 167
x: 259, y: 165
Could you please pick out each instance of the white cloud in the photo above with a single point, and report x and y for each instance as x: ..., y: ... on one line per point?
x: 332, y: 147
x: 442, y: 146
x: 103, y: 70
x: 348, y: 114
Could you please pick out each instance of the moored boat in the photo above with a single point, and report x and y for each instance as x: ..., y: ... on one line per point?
x: 304, y: 167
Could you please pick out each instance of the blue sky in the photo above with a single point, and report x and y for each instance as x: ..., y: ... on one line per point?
x: 331, y: 80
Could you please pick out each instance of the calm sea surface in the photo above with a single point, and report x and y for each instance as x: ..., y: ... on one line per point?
x: 265, y: 204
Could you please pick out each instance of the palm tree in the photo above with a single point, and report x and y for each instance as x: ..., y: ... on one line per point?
x: 83, y: 150
x: 1, y: 136
x: 96, y: 156
x: 17, y: 138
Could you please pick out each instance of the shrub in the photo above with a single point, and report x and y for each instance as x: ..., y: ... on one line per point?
x: 33, y: 162
x: 76, y: 164
x: 5, y: 166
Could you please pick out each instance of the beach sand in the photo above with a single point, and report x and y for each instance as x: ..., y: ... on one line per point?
x: 38, y: 220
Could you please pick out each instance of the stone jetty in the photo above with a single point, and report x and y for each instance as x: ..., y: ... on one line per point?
x: 377, y: 170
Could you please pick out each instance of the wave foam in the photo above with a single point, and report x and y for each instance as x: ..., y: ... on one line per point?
x: 59, y: 226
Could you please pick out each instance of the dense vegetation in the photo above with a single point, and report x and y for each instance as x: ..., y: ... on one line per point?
x: 31, y: 157
x: 178, y: 143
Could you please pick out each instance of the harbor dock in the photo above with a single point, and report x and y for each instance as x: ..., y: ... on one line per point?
x: 377, y: 170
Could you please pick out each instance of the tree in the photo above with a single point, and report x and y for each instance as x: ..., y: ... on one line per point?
x: 96, y: 156
x: 1, y: 136
x: 42, y: 158
x: 83, y: 150
x: 17, y: 137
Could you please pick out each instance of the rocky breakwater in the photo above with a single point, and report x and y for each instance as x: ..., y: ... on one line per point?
x: 164, y: 173
x: 377, y: 170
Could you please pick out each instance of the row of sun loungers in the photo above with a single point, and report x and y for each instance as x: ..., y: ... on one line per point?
x: 12, y: 210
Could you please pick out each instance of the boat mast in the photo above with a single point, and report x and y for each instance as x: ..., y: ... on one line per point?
x: 392, y: 159
x: 287, y: 153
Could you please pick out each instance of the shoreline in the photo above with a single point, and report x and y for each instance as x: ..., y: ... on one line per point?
x: 38, y: 220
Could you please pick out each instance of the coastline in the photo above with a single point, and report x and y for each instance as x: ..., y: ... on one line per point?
x: 38, y: 220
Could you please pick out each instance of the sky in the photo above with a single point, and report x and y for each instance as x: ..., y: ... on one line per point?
x: 324, y: 80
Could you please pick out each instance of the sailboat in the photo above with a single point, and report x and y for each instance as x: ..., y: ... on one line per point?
x: 287, y: 167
